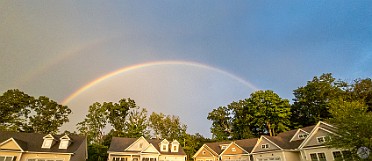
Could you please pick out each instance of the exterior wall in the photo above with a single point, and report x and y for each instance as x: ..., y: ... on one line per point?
x: 257, y: 157
x: 204, y: 153
x: 292, y: 156
x: 238, y: 157
x: 81, y: 153
x: 206, y: 159
x: 328, y: 153
x: 16, y: 154
x: 127, y: 155
x: 10, y: 145
x: 313, y: 140
x: 64, y: 157
x: 229, y: 150
x: 172, y: 158
x: 136, y: 146
x: 264, y: 141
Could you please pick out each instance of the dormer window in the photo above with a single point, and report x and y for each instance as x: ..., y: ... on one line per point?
x: 265, y: 146
x: 64, y: 142
x: 164, y: 145
x: 175, y: 146
x: 48, y: 141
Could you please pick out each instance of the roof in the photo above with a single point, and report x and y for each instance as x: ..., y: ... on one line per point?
x: 216, y: 146
x: 119, y: 144
x: 33, y: 141
x: 247, y: 144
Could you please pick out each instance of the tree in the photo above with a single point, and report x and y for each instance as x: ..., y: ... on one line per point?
x: 93, y: 124
x: 21, y: 112
x: 97, y: 152
x: 137, y: 123
x: 221, y: 123
x: 361, y: 90
x: 192, y: 143
x: 353, y: 124
x: 15, y: 106
x: 167, y: 126
x: 117, y: 112
x: 311, y: 102
x: 243, y: 125
x: 272, y: 112
x: 49, y: 116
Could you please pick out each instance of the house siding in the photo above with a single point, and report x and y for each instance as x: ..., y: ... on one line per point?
x: 327, y: 151
x: 264, y: 141
x: 27, y: 156
x: 313, y: 140
x: 257, y: 157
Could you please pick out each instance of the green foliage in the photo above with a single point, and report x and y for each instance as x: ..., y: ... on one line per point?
x: 93, y: 124
x: 221, y: 123
x: 49, y: 116
x: 354, y: 126
x: 24, y: 113
x: 97, y: 152
x: 272, y: 113
x: 192, y: 143
x: 311, y: 102
x: 167, y: 126
x: 263, y: 113
x: 137, y: 123
x: 117, y: 112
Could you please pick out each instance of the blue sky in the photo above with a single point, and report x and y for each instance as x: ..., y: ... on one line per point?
x: 53, y: 48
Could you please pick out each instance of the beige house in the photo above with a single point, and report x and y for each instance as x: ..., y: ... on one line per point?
x: 303, y: 144
x: 141, y: 149
x: 16, y: 146
x: 225, y: 151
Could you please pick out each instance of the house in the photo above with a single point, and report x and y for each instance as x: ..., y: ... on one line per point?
x: 225, y: 151
x: 141, y: 149
x: 16, y: 146
x: 303, y: 144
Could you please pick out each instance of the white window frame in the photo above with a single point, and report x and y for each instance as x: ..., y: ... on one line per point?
x: 322, y: 138
x: 45, y: 159
x: 47, y: 146
x: 233, y: 149
x: 8, y: 156
x: 302, y: 136
x: 317, y: 155
x: 264, y: 146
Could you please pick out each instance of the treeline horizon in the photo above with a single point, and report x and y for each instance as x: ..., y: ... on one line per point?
x: 263, y: 113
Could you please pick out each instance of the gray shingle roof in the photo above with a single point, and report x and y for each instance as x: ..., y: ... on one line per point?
x: 33, y: 142
x: 119, y: 144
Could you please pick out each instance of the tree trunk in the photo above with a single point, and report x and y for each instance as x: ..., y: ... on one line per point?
x: 269, y: 128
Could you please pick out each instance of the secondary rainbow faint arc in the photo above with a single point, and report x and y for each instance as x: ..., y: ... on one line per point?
x: 151, y: 64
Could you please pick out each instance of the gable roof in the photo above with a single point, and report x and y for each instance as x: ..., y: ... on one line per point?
x: 119, y: 144
x: 216, y: 146
x: 32, y: 142
x: 206, y: 148
x: 320, y: 125
x: 247, y: 144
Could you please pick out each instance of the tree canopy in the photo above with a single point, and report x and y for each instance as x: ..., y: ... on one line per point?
x: 24, y: 113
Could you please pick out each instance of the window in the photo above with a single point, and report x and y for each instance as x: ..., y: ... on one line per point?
x: 140, y: 145
x: 302, y: 136
x: 318, y: 157
x: 8, y: 158
x: 175, y: 148
x: 265, y: 146
x: 43, y: 159
x: 119, y: 159
x: 203, y: 152
x: 313, y: 157
x: 320, y: 139
x: 164, y: 147
x: 47, y: 143
x: 64, y: 144
x: 223, y: 147
x: 233, y: 149
x: 148, y: 159
x: 337, y: 155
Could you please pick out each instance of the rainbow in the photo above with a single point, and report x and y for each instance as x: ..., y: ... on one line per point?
x: 152, y: 64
